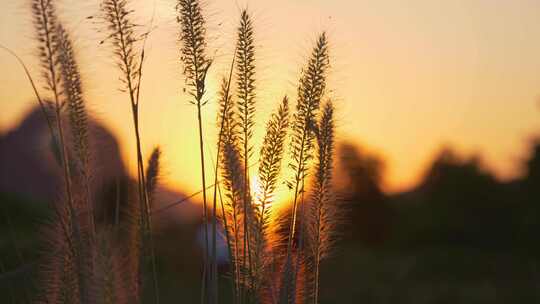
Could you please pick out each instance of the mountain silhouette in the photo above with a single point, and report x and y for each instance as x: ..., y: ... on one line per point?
x: 31, y: 167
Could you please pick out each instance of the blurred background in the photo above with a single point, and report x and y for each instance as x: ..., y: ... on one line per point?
x: 438, y: 156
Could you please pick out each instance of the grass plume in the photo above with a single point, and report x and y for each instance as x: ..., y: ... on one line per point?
x: 196, y: 64
x: 152, y: 172
x: 233, y: 183
x: 72, y: 88
x: 130, y: 58
x: 71, y: 84
x: 45, y: 23
x: 245, y: 74
x: 271, y: 156
x: 62, y: 81
x: 60, y: 274
x: 322, y: 212
x: 106, y: 261
x: 225, y: 103
x: 310, y: 91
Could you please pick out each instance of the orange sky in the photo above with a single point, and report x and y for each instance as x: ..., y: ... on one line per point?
x: 408, y: 76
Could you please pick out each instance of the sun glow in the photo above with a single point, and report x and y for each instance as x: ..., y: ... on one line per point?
x: 446, y: 99
x: 277, y: 200
x: 257, y: 192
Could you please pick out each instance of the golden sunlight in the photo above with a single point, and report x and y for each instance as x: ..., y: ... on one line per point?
x: 140, y: 140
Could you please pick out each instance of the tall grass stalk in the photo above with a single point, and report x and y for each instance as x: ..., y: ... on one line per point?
x: 111, y: 285
x: 310, y: 91
x: 130, y: 58
x: 71, y: 85
x: 224, y: 115
x: 196, y: 65
x: 232, y: 176
x: 226, y: 228
x: 45, y: 23
x: 56, y: 61
x: 72, y: 88
x: 245, y: 74
x: 61, y: 281
x: 266, y: 264
x: 271, y: 156
x: 322, y: 212
x: 225, y: 104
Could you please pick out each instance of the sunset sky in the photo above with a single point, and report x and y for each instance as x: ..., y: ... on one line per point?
x: 407, y: 76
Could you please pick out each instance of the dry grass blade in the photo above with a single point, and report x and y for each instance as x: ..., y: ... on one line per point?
x: 43, y: 105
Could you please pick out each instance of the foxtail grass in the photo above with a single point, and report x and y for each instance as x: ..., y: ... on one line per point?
x: 130, y: 58
x: 45, y: 23
x: 60, y: 274
x: 245, y: 75
x: 71, y: 84
x: 310, y: 92
x: 322, y: 214
x: 152, y: 172
x: 106, y: 264
x: 225, y: 103
x: 231, y: 176
x: 196, y: 64
x: 62, y: 80
x: 271, y: 156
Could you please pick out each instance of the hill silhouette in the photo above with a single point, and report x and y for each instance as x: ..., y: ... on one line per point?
x: 31, y: 180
